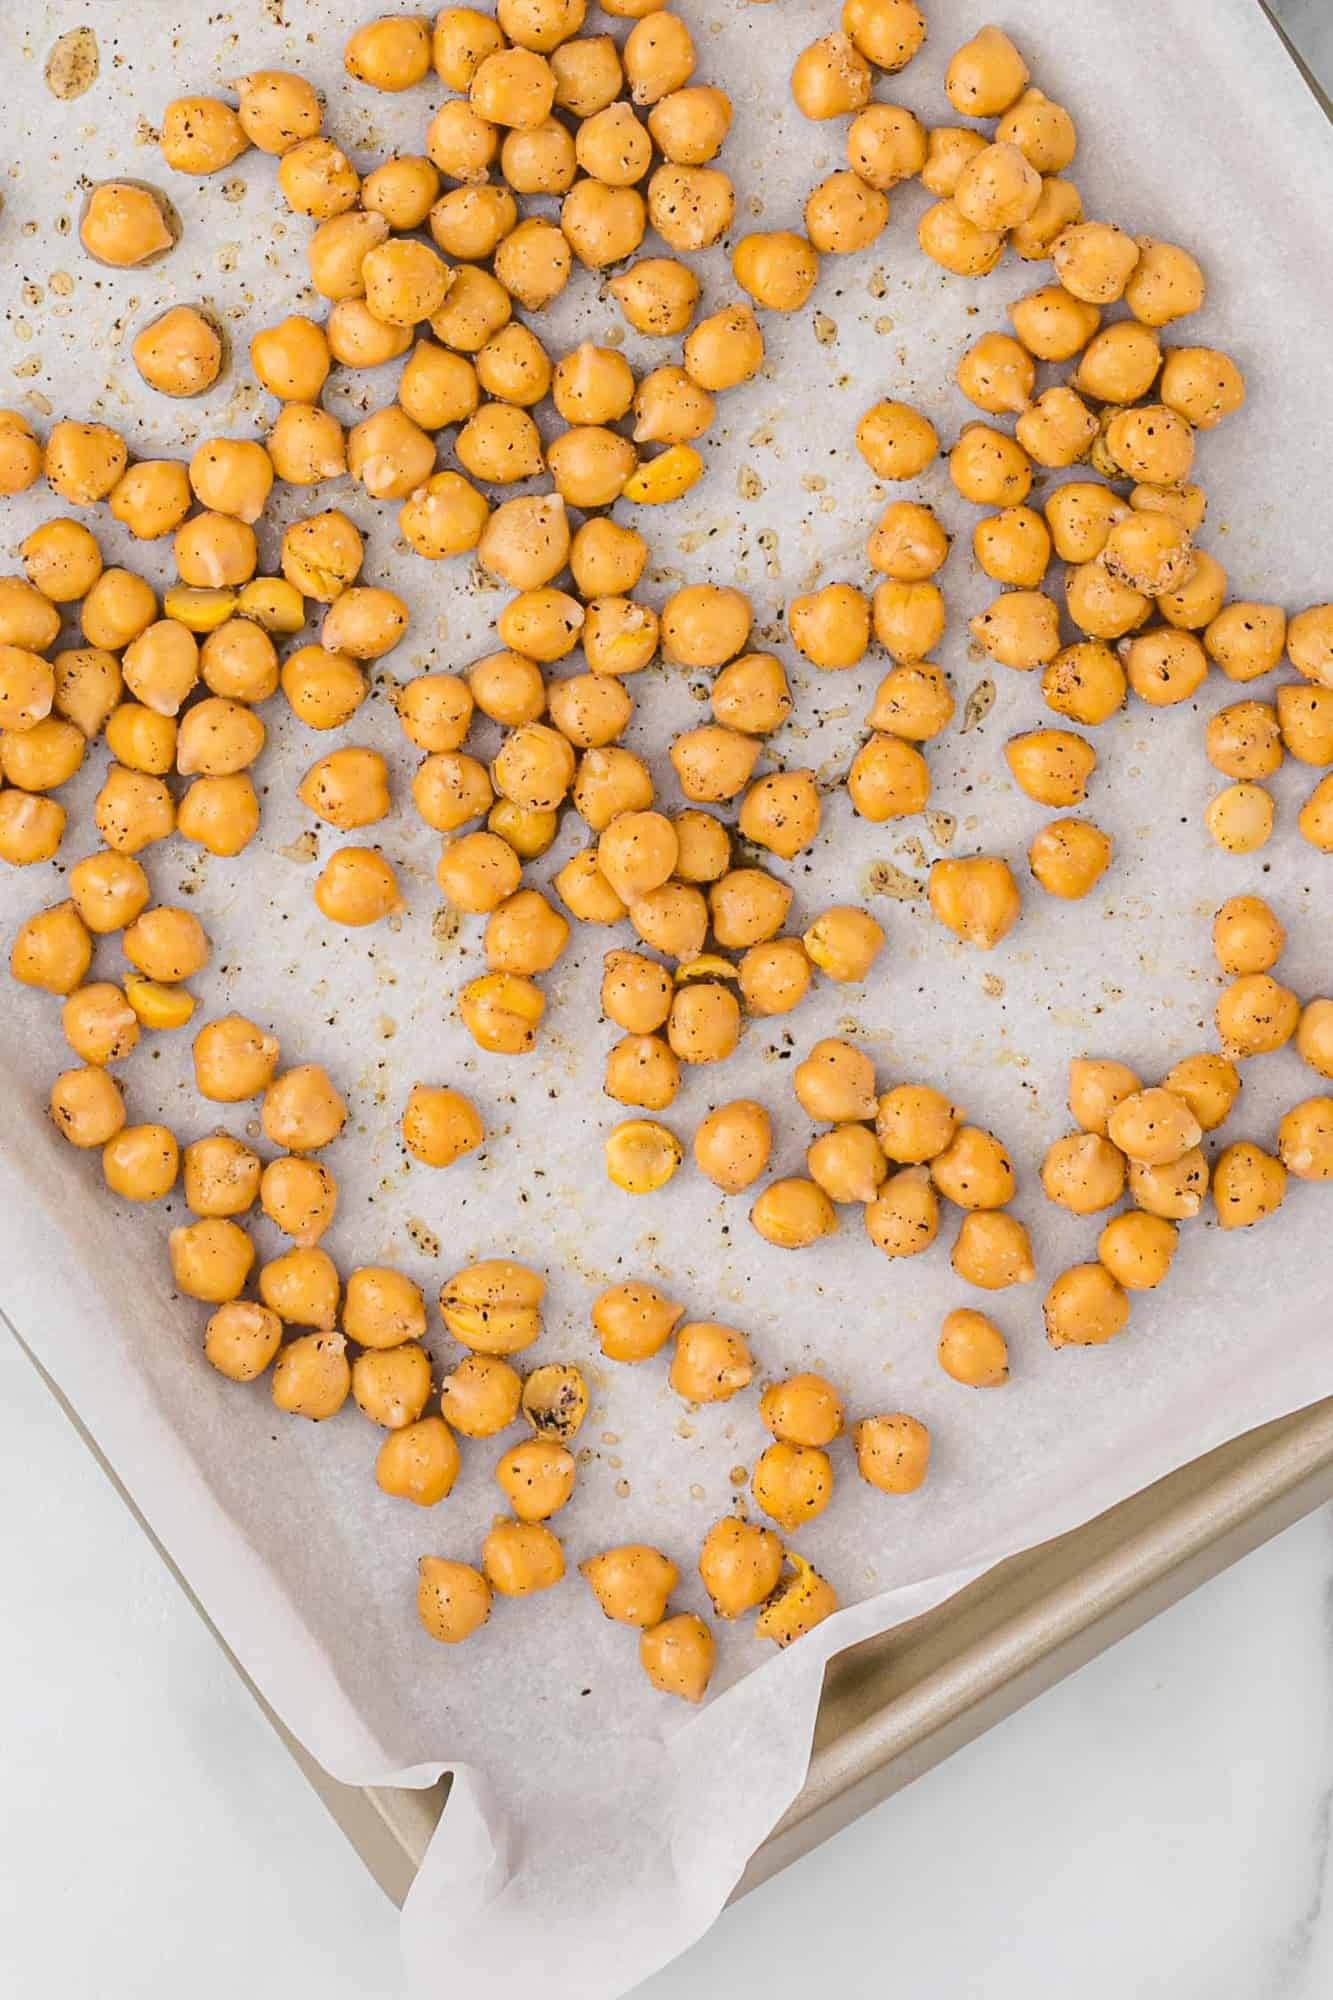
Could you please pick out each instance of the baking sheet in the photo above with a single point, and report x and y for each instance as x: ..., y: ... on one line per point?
x: 590, y: 1834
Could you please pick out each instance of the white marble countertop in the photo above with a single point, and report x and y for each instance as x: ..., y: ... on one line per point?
x: 1157, y: 1827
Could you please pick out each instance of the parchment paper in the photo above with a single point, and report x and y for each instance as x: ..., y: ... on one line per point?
x: 594, y: 1829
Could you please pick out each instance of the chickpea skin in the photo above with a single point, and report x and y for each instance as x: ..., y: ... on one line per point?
x: 453, y: 1599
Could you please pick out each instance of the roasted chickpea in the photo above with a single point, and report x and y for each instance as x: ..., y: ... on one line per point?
x: 403, y: 190
x: 357, y: 886
x: 732, y: 1145
x: 514, y: 367
x: 357, y: 339
x: 31, y: 829
x: 792, y: 1483
x: 974, y: 1170
x: 526, y: 541
x: 133, y: 809
x: 710, y: 1363
x: 317, y: 179
x: 1248, y: 1184
x: 1096, y: 1087
x: 642, y: 1156
x: 20, y: 454
x: 1305, y: 1139
x: 302, y: 1287
x: 1053, y: 324
x: 973, y: 1350
x: 300, y: 1197
x: 1013, y: 546
x: 992, y: 1251
x: 391, y: 1387
x: 835, y: 1083
x: 461, y: 142
x: 644, y: 1071
x: 52, y: 950
x: 536, y: 1477
x: 1314, y: 1037
x: 847, y: 1164
x: 311, y: 1376
x: 306, y: 445
x: 46, y: 756
x: 632, y: 1583
x: 140, y: 1164
x: 986, y: 75
x: 453, y: 1599
x: 774, y: 977
x: 1209, y: 1085
x: 831, y: 626
x: 950, y: 240
x: 677, y: 1655
x: 221, y: 1175
x: 1310, y: 643
x: 740, y: 1564
x: 125, y: 224
x: 948, y: 150
x: 704, y: 1022
x: 62, y: 560
x: 777, y: 269
x: 515, y: 88
x: 1176, y: 1191
x: 86, y: 1107
x: 1083, y: 1173
x: 1153, y: 444
x: 339, y: 249
x: 502, y: 1012
x: 1247, y: 936
x: 1068, y: 857
x: 86, y: 687
x: 977, y: 898
x: 241, y: 1338
x: 1085, y: 1307
x: 585, y: 891
x: 886, y: 144
x: 301, y: 1111
x: 82, y: 462
x: 1255, y: 1015
x: 888, y: 779
x: 713, y: 764
x: 211, y: 1259
x: 1314, y: 822
x: 914, y: 1123
x: 420, y: 1462
x: 844, y: 943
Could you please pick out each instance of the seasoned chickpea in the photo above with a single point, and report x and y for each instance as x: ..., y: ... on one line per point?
x: 462, y: 38
x: 986, y: 75
x: 62, y: 560
x: 774, y: 976
x: 221, y: 1175
x: 831, y: 77
x: 514, y: 367
x: 317, y: 179
x: 514, y: 88
x: 1247, y: 935
x: 644, y: 1071
x: 1094, y: 261
x: 1310, y: 643
x: 713, y: 764
x: 603, y: 224
x: 1080, y: 516
x: 792, y: 1483
x: 903, y: 1219
x: 1314, y: 1036
x: 1068, y: 857
x: 391, y: 1387
x: 220, y: 814
x: 703, y: 846
x: 1085, y: 1307
x: 1105, y: 608
x: 507, y: 687
x: 976, y: 898
x: 1013, y: 546
x: 311, y: 1376
x: 125, y: 224
x: 1305, y: 1139
x: 974, y: 1170
x: 831, y: 626
x: 1096, y: 1087
x: 347, y: 789
x: 634, y: 1321
x: 776, y: 268
x: 339, y: 250
x: 241, y: 1338
x: 82, y: 462
x: 914, y: 1123
x: 140, y: 1164
x: 536, y: 1477
x: 997, y: 188
x: 632, y: 1583
x: 300, y: 1197
x: 585, y: 891
x: 365, y: 622
x: 540, y: 161
x: 781, y: 812
x: 642, y: 1156
x: 892, y: 1452
x: 1151, y: 443
x: 391, y: 53
x: 844, y: 943
x: 670, y: 408
x: 277, y: 109
x: 842, y: 214
x: 710, y: 1362
x: 302, y: 1287
x: 133, y: 809
x: 20, y: 454
x: 461, y: 142
x: 357, y: 339
x: 704, y: 1023
x: 636, y: 992
x: 1209, y: 1085
x: 886, y: 144
x: 973, y: 1350
x: 526, y: 541
x: 1052, y: 324
x: 31, y: 829
x: 1051, y: 765
x: 301, y: 1111
x: 215, y: 550
x: 751, y: 694
x: 1083, y: 1173
x: 27, y: 688
x: 477, y: 871
x: 992, y: 1251
x: 1239, y: 819
x: 291, y: 359
x: 1255, y: 1015
x: 1245, y: 740
x: 420, y: 1462
x: 52, y: 950
x: 997, y: 374
x: 948, y: 150
x: 357, y: 886
x: 86, y: 1107
x: 847, y: 1164
x: 835, y: 1083
x: 1058, y: 428
x: 1246, y: 641
x: 732, y: 1145
x: 323, y: 689
x: 888, y: 779
x: 46, y: 756
x: 740, y: 1564
x: 493, y: 1307
x: 1137, y: 1249
x: 306, y: 445
x: 99, y: 1024
x: 950, y: 240
x: 588, y: 75
x: 481, y: 1395
x: 1248, y: 1184
x: 211, y: 1260
x: 1314, y: 822
x: 402, y: 190
x: 677, y: 1655
x: 1174, y: 1192
x: 989, y: 468
x: 502, y: 1012
x: 453, y: 1599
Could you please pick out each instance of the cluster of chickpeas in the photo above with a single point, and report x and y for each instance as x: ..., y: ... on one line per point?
x: 1145, y: 1141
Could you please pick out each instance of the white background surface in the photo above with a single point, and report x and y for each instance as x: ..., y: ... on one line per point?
x: 1157, y: 1828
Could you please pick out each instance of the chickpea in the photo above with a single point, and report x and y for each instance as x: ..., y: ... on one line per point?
x: 1239, y: 819
x: 1201, y: 385
x: 831, y: 627
x: 672, y: 920
x: 477, y: 871
x: 536, y: 1477
x: 514, y: 88
x: 357, y: 886
x: 669, y: 408
x: 613, y: 146
x: 526, y: 541
x: 847, y: 1164
x: 973, y: 1350
x: 1247, y: 936
x: 1081, y: 516
x: 391, y: 1387
x: 453, y: 1599
x: 277, y: 109
x: 533, y: 263
x: 844, y: 943
x: 528, y: 831
x: 604, y: 225
x: 732, y: 1145
x: 886, y: 144
x: 777, y: 269
x: 843, y: 214
x: 1013, y: 546
x: 300, y: 1198
x: 1101, y: 606
x: 751, y: 694
x: 781, y: 812
x: 636, y: 992
x: 948, y: 150
x: 391, y: 53
x: 302, y: 1287
x: 502, y: 1012
x: 52, y: 950
x: 324, y: 690
x: 235, y: 1060
x: 239, y: 662
x: 986, y: 75
x: 311, y: 1376
x: 540, y: 161
x: 903, y: 1217
x: 1053, y: 324
x: 317, y: 179
x: 132, y: 810
x: 383, y: 1309
x: 514, y: 367
x: 704, y: 1023
x: 211, y: 1259
x: 1051, y: 765
x: 642, y: 1156
x: 403, y: 190
x: 219, y: 814
x: 634, y: 1320
x: 1096, y: 1087
x: 1085, y: 1307
x: 1174, y: 1192
x: 82, y: 462
x: 1164, y: 667
x: 1083, y: 1173
x: 586, y: 893
x: 992, y: 1251
x: 167, y: 945
x: 31, y: 829
x: 463, y: 37
x: 301, y: 1111
x: 974, y: 1170
x: 1246, y: 641
x: 555, y: 1401
x: 677, y: 1655
x: 740, y: 1564
x: 86, y: 1107
x: 1137, y: 1249
x: 1209, y: 1085
x: 1248, y: 1184
x: 643, y: 1071
x: 215, y: 550
x: 365, y: 622
x: 774, y: 977
x: 1255, y: 1015
x: 588, y: 75
x: 1058, y: 428
x: 1310, y: 643
x: 218, y: 737
x: 710, y: 1362
x: 444, y: 516
x: 500, y: 443
x: 347, y: 789
x: 20, y: 454
x: 703, y: 846
x: 62, y: 560
x: 1314, y: 822
x: 977, y: 898
x: 1094, y: 261
x: 1068, y: 857
x: 831, y: 78
x: 339, y: 250
x: 792, y: 1483
x: 1305, y: 1139
x: 835, y: 1083
x: 1151, y: 443
x: 494, y: 1307
x: 461, y: 142
x: 27, y: 688
x: 888, y: 779
x: 950, y: 240
x: 44, y: 757
x: 632, y: 1583
x: 420, y: 1463
x: 713, y: 764
x: 357, y: 339
x: 1314, y: 1037
x: 241, y: 1338
x: 125, y: 224
x: 914, y: 1123
x: 221, y: 1175
x: 997, y: 188
x: 140, y: 1163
